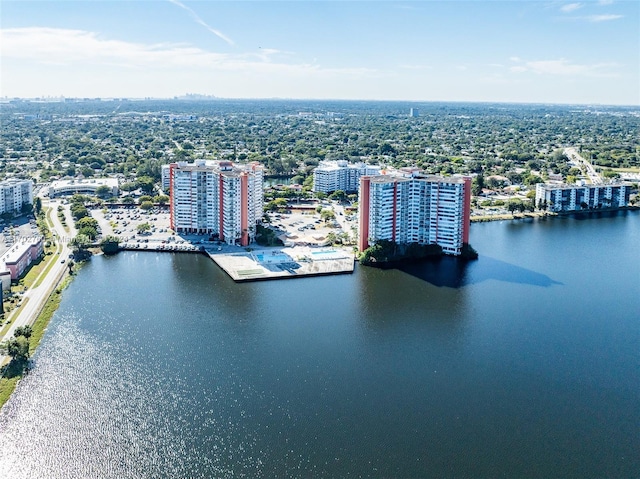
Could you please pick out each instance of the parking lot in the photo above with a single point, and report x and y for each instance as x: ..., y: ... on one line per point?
x: 23, y: 227
x: 299, y: 226
x: 307, y: 226
x: 124, y: 222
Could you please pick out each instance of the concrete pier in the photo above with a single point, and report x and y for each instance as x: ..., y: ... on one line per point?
x: 284, y: 263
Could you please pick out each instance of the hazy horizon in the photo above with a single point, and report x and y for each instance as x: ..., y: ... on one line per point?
x: 566, y: 53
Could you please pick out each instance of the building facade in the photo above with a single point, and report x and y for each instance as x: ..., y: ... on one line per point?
x: 216, y: 198
x: 165, y: 172
x: 14, y: 193
x: 16, y: 260
x: 558, y: 198
x: 332, y: 176
x: 409, y: 207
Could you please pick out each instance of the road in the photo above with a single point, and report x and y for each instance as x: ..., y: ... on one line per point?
x: 35, y: 297
x: 574, y: 156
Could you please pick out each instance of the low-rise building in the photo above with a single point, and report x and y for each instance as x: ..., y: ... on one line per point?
x: 14, y: 193
x: 558, y: 198
x: 18, y: 258
x: 332, y: 176
x: 407, y: 206
x: 87, y: 186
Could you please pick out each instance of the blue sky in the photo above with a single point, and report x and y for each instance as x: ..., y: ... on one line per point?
x: 517, y: 51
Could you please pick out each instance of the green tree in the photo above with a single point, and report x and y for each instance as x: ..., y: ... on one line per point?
x: 162, y: 199
x: 110, y: 245
x: 25, y: 331
x: 80, y: 245
x: 18, y: 348
x: 327, y: 215
x: 477, y: 185
x: 86, y: 171
x: 103, y: 191
x: 143, y: 227
x: 559, y: 156
x: 532, y: 180
x: 338, y: 195
x: 277, y: 204
x: 515, y: 205
x: 87, y: 222
x: 79, y: 211
x: 146, y: 184
x: 79, y: 199
x: 332, y: 238
x: 89, y: 232
x: 146, y: 205
x: 37, y: 205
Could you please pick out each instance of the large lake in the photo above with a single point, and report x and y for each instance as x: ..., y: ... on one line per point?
x: 524, y: 363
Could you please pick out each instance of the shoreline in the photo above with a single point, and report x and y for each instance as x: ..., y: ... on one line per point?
x: 39, y: 326
x: 38, y: 309
x: 547, y: 214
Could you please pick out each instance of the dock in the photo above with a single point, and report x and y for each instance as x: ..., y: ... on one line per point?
x: 284, y: 263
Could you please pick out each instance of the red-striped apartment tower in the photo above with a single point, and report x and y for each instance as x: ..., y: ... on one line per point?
x: 406, y: 206
x: 216, y: 198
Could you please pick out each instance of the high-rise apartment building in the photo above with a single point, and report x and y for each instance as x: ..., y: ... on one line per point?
x: 216, y: 198
x: 165, y: 176
x: 14, y: 193
x: 332, y: 176
x: 559, y: 198
x: 406, y: 206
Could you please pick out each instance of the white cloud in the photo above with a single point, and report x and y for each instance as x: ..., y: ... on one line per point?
x: 602, y: 18
x: 416, y: 67
x: 200, y: 21
x: 564, y: 67
x: 571, y: 7
x: 52, y: 46
x: 515, y: 59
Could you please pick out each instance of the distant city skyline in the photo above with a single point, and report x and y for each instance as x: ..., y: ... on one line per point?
x: 486, y: 51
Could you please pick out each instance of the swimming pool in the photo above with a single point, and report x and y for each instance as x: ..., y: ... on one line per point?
x: 273, y: 257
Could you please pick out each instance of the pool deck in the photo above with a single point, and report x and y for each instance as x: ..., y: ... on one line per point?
x: 284, y: 263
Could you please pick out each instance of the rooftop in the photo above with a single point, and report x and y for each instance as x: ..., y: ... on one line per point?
x: 564, y: 186
x: 18, y: 250
x: 225, y: 167
x: 111, y: 182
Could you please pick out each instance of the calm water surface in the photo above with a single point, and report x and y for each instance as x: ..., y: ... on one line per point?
x: 524, y: 363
